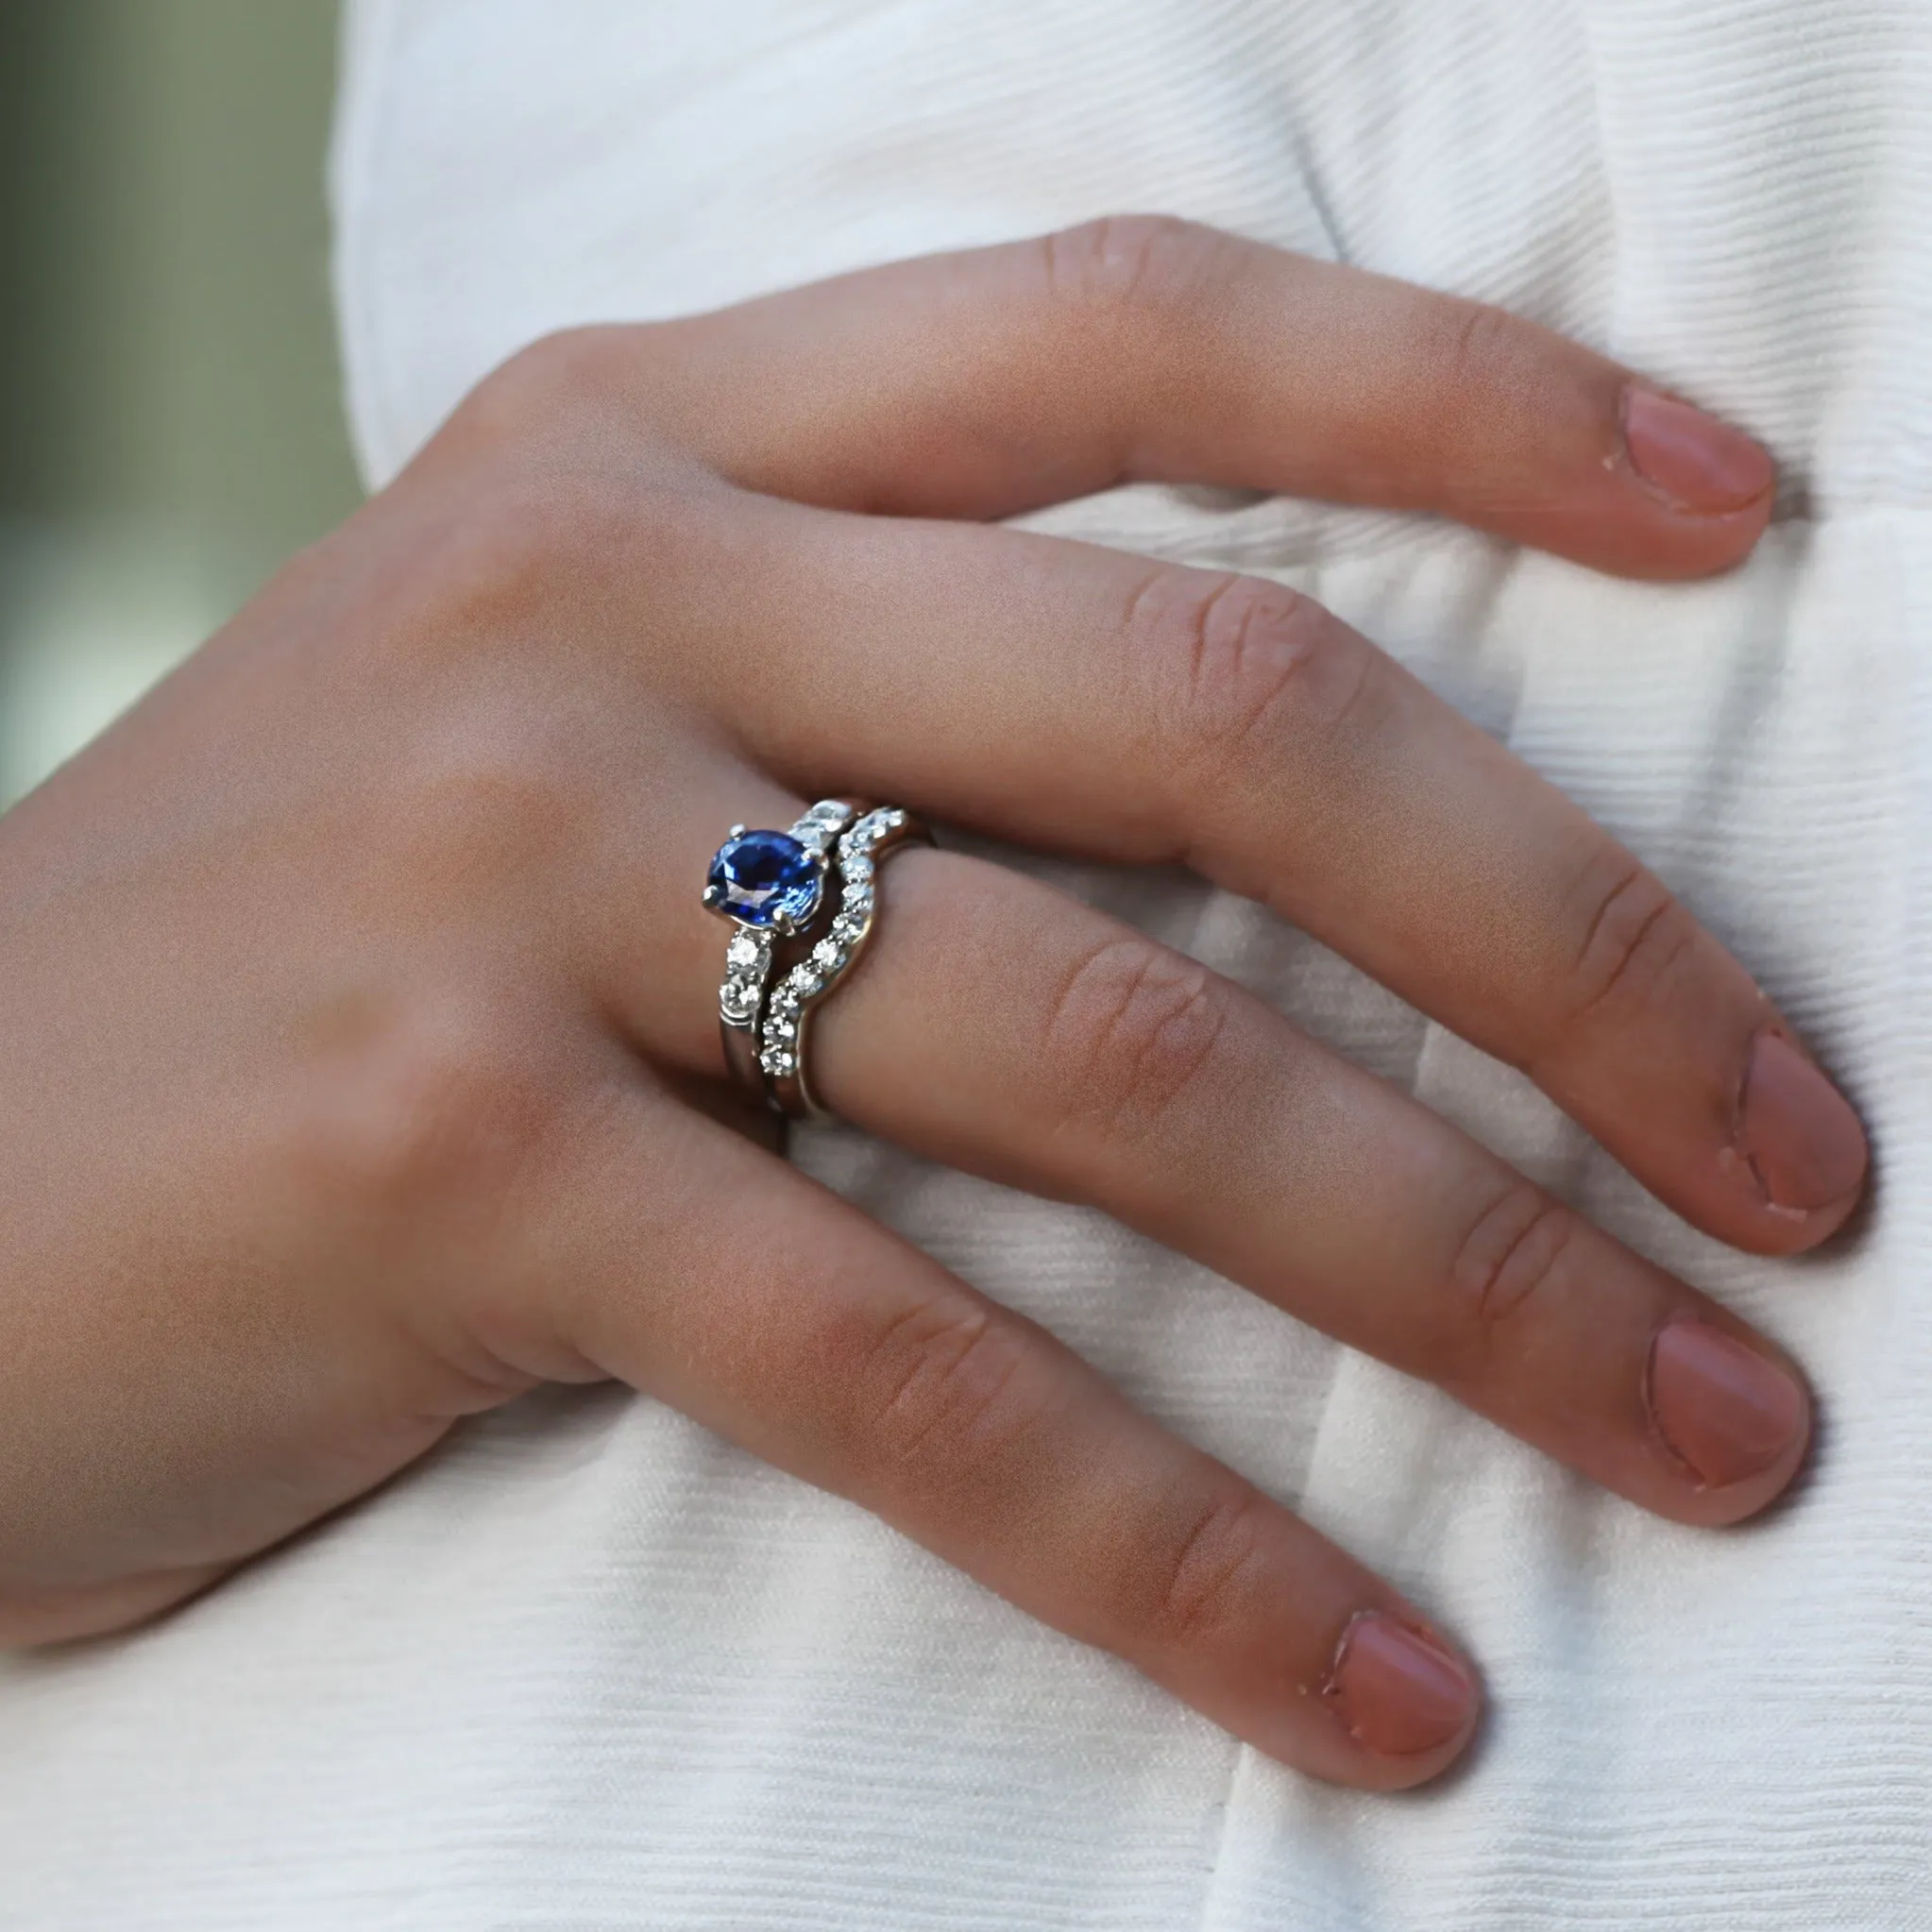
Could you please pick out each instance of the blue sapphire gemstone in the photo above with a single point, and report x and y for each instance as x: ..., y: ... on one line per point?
x: 763, y: 878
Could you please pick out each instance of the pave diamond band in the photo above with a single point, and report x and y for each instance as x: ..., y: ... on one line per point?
x: 787, y: 1021
x: 774, y: 886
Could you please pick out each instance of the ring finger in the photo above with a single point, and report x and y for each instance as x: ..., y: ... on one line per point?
x: 1001, y: 1027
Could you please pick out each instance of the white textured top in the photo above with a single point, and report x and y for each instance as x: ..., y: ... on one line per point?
x: 590, y: 1667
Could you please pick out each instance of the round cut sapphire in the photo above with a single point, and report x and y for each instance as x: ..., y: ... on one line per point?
x: 765, y: 878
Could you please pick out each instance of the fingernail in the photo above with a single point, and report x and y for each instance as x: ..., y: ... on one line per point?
x: 1397, y: 1691
x: 1696, y: 461
x: 1726, y: 1411
x: 1796, y: 1131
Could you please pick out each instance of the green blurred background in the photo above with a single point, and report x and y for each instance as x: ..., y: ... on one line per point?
x: 171, y: 423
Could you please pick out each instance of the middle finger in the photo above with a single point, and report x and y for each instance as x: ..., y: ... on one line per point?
x: 1083, y: 699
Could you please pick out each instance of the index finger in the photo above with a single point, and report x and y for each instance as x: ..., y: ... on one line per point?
x: 1142, y: 348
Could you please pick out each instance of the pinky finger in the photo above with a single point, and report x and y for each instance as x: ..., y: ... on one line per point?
x: 777, y: 1314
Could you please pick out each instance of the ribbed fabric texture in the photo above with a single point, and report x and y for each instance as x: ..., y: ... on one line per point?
x: 590, y: 1668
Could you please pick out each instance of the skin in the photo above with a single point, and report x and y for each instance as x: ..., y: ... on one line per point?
x: 361, y: 1031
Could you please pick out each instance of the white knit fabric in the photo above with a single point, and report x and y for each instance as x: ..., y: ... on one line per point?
x: 591, y: 1668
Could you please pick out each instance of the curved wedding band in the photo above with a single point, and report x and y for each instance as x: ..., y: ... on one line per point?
x: 773, y: 886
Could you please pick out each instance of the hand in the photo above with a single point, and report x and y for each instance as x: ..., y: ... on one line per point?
x: 360, y: 1028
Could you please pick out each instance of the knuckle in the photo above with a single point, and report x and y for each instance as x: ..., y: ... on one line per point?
x: 1201, y: 1579
x: 1131, y: 263
x: 485, y: 795
x: 524, y: 561
x: 549, y: 480
x: 535, y: 540
x: 945, y: 1384
x: 566, y: 372
x: 416, y: 1101
x: 1481, y: 347
x: 1244, y: 671
x: 1511, y: 1250
x: 523, y: 543
x: 1636, y: 938
x: 1134, y: 1028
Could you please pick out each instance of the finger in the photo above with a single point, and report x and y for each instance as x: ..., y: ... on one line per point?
x: 781, y: 1318
x: 998, y: 1026
x: 984, y: 383
x: 32, y: 1620
x: 1077, y: 698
